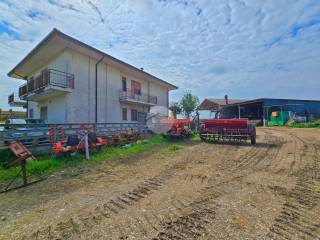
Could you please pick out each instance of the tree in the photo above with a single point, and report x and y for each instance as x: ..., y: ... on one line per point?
x: 175, y: 108
x: 189, y: 103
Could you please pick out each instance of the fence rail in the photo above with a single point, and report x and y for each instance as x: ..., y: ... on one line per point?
x: 34, y: 135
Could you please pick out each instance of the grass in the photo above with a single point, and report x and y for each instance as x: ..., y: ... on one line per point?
x: 314, y: 124
x: 49, y: 164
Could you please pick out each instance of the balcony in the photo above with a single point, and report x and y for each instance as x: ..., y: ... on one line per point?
x: 15, y: 102
x: 49, y: 83
x: 132, y: 96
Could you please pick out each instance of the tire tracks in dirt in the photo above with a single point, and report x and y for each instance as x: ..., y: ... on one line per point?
x: 112, y: 207
x: 296, y: 219
x: 195, y: 222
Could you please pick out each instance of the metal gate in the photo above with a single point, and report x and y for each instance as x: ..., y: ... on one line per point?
x: 142, y: 118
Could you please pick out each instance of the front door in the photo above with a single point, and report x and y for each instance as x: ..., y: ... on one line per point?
x: 142, y: 117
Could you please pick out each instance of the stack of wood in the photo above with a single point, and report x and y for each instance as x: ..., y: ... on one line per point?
x: 126, y: 137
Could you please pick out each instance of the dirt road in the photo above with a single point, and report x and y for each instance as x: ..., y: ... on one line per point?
x: 203, y: 191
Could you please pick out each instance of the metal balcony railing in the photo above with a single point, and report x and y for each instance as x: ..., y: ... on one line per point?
x: 137, y: 95
x: 49, y: 77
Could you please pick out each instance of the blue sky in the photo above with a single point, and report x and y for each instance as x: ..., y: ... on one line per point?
x: 243, y: 48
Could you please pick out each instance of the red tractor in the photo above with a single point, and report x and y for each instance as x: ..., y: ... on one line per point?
x: 176, y: 128
x: 227, y: 129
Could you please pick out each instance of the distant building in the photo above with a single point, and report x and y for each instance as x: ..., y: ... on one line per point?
x: 259, y: 110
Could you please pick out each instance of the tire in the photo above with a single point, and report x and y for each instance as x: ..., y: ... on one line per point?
x: 253, y: 139
x: 252, y: 131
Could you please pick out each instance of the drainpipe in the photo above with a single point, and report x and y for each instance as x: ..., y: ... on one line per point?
x: 25, y: 78
x: 96, y: 88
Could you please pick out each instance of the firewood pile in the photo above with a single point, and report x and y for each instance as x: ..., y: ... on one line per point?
x: 126, y: 137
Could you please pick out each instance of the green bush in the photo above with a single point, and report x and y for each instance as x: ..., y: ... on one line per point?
x: 6, y: 158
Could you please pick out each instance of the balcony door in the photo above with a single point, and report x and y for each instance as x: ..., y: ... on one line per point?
x: 135, y: 88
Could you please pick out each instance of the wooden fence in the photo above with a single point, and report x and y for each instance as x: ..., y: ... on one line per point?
x: 37, y: 135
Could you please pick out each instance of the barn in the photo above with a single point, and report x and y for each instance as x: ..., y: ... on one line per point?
x: 263, y: 110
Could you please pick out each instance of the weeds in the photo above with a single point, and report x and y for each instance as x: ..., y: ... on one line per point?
x: 51, y: 164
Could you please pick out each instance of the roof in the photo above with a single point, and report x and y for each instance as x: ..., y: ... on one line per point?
x: 215, y: 103
x: 259, y: 100
x: 56, y: 41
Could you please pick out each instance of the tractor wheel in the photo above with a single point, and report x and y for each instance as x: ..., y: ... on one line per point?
x: 253, y: 139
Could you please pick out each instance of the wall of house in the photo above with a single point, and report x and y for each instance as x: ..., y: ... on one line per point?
x: 79, y: 105
x: 34, y: 107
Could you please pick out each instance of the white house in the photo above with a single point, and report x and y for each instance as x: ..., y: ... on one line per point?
x: 68, y: 81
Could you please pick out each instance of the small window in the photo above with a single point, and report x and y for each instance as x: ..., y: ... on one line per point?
x: 124, y: 84
x: 134, y: 115
x: 124, y: 114
x: 31, y: 113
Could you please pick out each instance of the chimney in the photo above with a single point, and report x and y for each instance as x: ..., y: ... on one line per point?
x: 226, y: 98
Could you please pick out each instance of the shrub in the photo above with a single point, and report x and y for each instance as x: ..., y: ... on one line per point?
x: 6, y: 158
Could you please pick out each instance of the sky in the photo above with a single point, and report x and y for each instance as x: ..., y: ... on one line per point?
x: 244, y: 48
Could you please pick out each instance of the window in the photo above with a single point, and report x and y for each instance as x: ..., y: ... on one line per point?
x: 31, y: 113
x: 134, y: 115
x: 124, y: 114
x: 124, y: 84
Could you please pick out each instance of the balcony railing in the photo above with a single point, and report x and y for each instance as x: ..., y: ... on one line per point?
x: 50, y: 77
x: 137, y: 96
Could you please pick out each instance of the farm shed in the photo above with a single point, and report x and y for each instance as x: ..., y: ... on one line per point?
x: 259, y: 110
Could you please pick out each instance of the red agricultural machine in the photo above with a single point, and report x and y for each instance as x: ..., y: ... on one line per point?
x: 176, y: 128
x: 74, y: 143
x: 227, y: 130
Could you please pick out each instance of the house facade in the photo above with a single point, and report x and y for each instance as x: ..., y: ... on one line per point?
x: 68, y: 81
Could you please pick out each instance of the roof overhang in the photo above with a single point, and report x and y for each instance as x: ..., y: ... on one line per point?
x: 55, y: 42
x: 208, y: 105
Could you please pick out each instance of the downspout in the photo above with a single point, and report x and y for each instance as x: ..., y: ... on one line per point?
x: 96, y: 91
x: 25, y: 78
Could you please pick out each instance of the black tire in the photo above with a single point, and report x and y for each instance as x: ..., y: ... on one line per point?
x: 253, y: 139
x: 252, y: 131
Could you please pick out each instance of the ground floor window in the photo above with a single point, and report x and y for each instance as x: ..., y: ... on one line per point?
x: 124, y: 114
x: 134, y: 115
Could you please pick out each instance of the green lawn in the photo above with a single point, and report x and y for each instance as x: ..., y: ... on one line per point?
x: 315, y: 124
x: 49, y: 164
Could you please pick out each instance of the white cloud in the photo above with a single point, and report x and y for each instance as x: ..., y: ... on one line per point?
x: 243, y: 48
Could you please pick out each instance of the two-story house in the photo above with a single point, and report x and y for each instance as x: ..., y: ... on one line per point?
x: 68, y: 81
